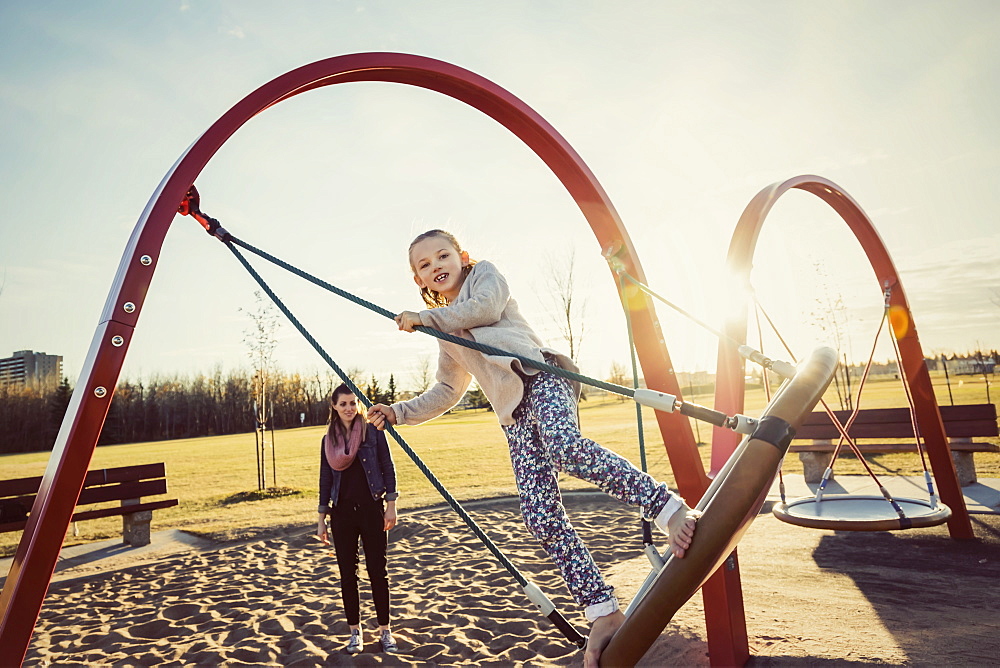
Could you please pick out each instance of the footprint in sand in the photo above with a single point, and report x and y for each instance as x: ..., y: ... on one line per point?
x: 181, y: 611
x: 277, y: 626
x: 253, y: 656
x: 429, y: 651
x: 156, y: 629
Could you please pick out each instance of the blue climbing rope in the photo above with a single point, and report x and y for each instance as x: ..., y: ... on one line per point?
x: 451, y: 338
x: 536, y: 595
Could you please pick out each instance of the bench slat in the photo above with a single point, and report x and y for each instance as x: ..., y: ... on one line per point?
x: 889, y: 447
x: 964, y: 421
x: 125, y: 474
x: 120, y: 492
x: 902, y: 414
x: 19, y: 486
x: 128, y: 490
x: 123, y: 510
x: 101, y: 512
x: 899, y: 430
x: 22, y: 486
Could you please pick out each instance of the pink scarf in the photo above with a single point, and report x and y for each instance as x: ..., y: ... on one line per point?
x: 340, y: 455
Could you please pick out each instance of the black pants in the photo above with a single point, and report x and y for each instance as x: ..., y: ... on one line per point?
x: 348, y: 523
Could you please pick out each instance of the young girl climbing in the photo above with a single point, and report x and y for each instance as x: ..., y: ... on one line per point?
x: 537, y: 412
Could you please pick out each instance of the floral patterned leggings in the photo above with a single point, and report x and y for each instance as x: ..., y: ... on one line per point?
x: 545, y: 439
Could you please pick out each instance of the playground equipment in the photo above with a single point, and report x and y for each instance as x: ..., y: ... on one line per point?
x: 729, y: 396
x: 34, y: 561
x: 729, y: 506
x: 38, y: 550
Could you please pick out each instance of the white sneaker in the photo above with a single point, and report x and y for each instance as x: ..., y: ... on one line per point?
x: 387, y: 643
x: 355, y: 644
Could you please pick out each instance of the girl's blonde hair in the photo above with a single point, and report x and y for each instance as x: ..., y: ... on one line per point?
x: 334, y: 420
x: 433, y: 298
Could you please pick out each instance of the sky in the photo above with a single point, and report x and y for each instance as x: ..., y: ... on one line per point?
x: 682, y: 110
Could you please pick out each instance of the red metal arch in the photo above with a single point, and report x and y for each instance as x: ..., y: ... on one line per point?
x: 38, y: 550
x: 729, y: 387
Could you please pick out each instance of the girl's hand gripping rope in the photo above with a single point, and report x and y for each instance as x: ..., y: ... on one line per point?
x: 381, y: 416
x: 408, y: 321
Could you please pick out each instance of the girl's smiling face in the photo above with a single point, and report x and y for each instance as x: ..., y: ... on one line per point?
x: 437, y: 265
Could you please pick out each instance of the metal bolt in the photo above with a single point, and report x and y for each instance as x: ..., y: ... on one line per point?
x: 146, y: 260
x: 117, y: 341
x: 100, y: 391
x: 129, y: 307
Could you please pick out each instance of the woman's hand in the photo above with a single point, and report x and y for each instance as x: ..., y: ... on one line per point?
x: 381, y: 416
x: 389, y: 516
x: 321, y: 531
x: 408, y: 320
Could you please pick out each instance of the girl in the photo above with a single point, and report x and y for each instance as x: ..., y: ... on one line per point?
x: 356, y: 474
x: 537, y: 412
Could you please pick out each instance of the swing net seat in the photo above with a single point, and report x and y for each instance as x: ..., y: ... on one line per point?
x: 860, y: 512
x: 851, y: 512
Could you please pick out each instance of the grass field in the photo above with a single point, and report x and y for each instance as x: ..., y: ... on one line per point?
x: 465, y: 450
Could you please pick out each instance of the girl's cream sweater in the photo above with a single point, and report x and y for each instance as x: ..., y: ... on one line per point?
x: 485, y: 312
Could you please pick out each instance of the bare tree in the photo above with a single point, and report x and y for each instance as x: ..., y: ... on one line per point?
x: 570, y: 313
x: 984, y: 368
x: 830, y: 317
x: 261, y: 340
x: 355, y: 374
x: 422, y: 377
x: 619, y: 376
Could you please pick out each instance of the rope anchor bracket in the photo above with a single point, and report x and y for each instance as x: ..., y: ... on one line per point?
x: 668, y: 403
x: 783, y: 369
x: 191, y: 206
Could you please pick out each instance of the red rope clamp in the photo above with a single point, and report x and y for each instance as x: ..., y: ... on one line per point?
x: 191, y: 206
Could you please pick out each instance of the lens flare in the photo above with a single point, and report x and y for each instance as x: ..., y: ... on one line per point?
x: 899, y: 320
x: 635, y: 298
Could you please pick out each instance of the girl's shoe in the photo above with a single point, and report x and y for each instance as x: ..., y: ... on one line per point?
x: 387, y: 643
x: 355, y: 645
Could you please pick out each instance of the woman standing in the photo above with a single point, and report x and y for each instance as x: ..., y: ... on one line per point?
x: 357, y: 489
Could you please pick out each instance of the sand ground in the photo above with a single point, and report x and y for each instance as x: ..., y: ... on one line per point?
x: 812, y: 598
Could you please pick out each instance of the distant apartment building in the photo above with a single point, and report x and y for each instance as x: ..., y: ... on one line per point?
x: 25, y: 367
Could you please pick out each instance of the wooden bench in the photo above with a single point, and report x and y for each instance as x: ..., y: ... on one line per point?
x: 961, y: 424
x: 127, y: 484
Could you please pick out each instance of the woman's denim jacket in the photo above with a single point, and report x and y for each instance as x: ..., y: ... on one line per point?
x: 377, y: 463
